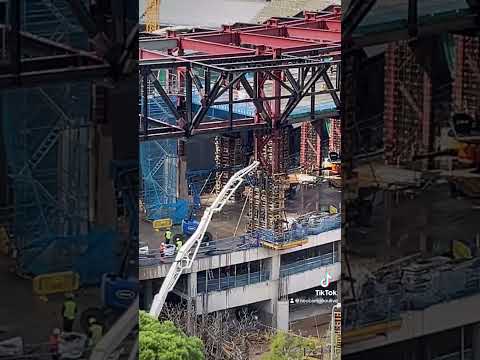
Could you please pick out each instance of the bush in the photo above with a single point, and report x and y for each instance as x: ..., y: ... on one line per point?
x: 164, y: 341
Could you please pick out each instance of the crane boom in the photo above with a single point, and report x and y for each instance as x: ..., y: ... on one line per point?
x: 188, y: 252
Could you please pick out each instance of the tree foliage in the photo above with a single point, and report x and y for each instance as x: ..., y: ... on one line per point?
x: 164, y: 341
x: 288, y: 347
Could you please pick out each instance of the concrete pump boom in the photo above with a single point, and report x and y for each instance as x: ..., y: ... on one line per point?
x: 187, y: 253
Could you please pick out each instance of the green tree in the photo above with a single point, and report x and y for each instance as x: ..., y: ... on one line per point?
x: 164, y: 341
x: 288, y: 347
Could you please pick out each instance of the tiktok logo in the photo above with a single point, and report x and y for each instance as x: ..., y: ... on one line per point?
x: 326, y: 281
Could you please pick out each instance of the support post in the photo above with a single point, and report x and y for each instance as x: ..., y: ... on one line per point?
x: 476, y: 341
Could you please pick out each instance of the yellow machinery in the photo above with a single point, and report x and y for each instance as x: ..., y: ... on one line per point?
x: 152, y: 14
x: 54, y: 283
x: 162, y: 224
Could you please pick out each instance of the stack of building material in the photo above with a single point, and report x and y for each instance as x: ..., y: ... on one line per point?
x: 407, y: 113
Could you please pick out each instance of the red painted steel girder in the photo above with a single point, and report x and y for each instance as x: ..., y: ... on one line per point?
x: 211, y: 47
x: 273, y: 41
x: 314, y: 34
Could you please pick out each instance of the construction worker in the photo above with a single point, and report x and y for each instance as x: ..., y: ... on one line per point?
x: 95, y: 332
x: 53, y: 343
x: 69, y: 312
x: 179, y: 244
x: 168, y: 236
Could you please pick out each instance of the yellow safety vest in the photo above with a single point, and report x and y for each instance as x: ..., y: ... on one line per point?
x: 96, y: 332
x: 179, y: 244
x: 461, y: 251
x: 168, y: 235
x: 69, y: 309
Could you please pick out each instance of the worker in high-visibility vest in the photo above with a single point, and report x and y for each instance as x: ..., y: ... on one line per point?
x: 69, y: 312
x: 179, y: 244
x: 168, y: 236
x: 95, y: 332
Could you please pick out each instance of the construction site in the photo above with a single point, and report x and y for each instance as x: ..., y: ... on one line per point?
x: 240, y: 154
x: 411, y: 279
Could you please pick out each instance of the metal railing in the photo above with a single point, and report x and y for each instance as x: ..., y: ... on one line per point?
x: 314, y: 226
x: 308, y: 264
x: 369, y: 311
x: 229, y: 282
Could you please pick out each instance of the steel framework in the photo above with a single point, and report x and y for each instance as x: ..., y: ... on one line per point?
x: 276, y: 65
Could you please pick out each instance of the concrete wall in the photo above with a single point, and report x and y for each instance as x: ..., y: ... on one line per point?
x: 240, y: 296
x: 312, y: 279
x: 238, y: 257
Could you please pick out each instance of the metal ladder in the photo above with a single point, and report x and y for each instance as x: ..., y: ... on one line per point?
x: 45, y: 146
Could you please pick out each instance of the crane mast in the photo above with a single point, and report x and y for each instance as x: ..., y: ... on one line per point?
x: 152, y: 14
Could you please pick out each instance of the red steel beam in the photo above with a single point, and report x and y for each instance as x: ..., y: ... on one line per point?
x: 314, y: 34
x: 212, y: 48
x: 150, y: 55
x: 273, y: 41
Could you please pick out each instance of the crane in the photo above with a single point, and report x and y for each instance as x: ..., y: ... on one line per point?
x: 187, y: 253
x: 152, y: 12
x: 183, y: 261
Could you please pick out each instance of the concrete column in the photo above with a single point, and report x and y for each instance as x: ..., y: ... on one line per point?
x: 476, y: 342
x: 388, y: 217
x: 192, y: 284
x: 275, y: 281
x: 148, y: 294
x: 339, y: 291
x: 182, y: 187
x: 339, y: 250
x: 192, y: 296
x: 283, y: 314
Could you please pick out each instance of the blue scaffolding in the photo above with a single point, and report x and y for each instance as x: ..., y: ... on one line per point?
x: 158, y: 163
x: 46, y: 135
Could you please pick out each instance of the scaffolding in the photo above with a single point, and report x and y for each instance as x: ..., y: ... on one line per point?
x: 47, y: 135
x: 407, y: 105
x: 158, y: 162
x: 228, y: 156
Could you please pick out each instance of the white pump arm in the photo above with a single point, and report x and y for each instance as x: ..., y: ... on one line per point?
x: 187, y: 253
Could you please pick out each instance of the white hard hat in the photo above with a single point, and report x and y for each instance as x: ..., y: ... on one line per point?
x: 56, y: 331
